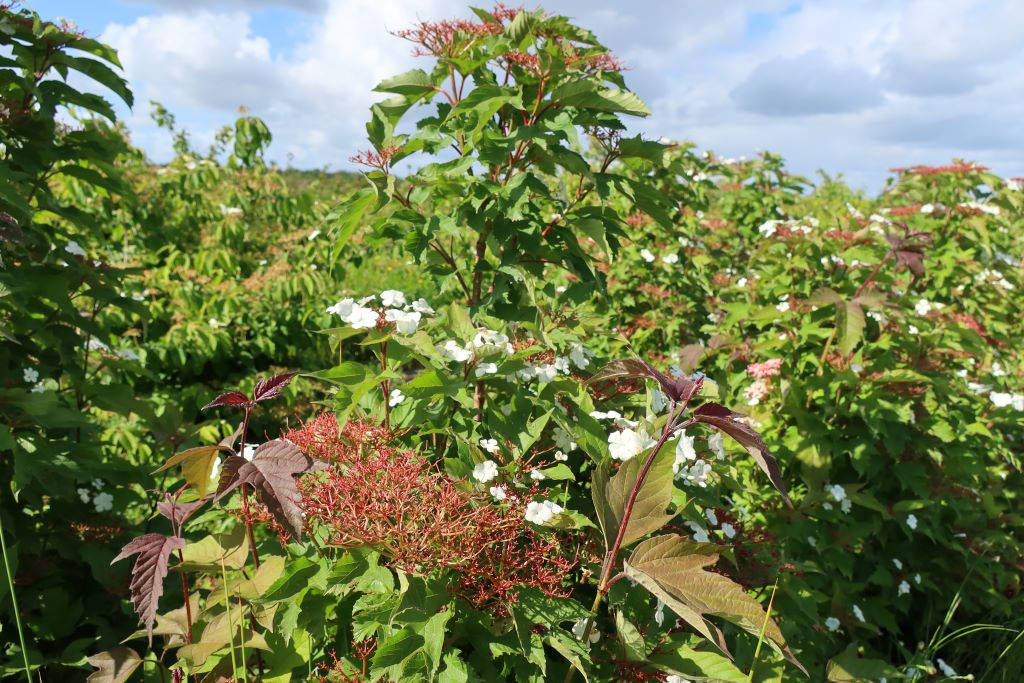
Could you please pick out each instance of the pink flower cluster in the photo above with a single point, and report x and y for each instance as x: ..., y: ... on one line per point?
x: 769, y: 368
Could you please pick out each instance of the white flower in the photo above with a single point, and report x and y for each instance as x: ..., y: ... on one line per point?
x: 672, y: 678
x: 712, y: 517
x: 537, y: 475
x: 229, y: 210
x: 610, y: 415
x: 213, y: 322
x: 127, y: 354
x: 541, y: 513
x: 659, y: 613
x: 837, y: 492
x: 782, y: 306
x: 742, y: 282
x: 927, y: 208
x: 700, y: 534
x: 1001, y: 399
x: 85, y: 494
x: 832, y: 624
x: 215, y: 470
x: 74, y: 249
x: 485, y: 471
x: 912, y: 521
x: 580, y: 355
x: 768, y: 228
x: 560, y: 456
x: 670, y: 258
x: 626, y: 443
x: 452, y: 351
x: 728, y: 530
x: 917, y: 579
x: 697, y: 473
x: 30, y: 375
x: 38, y: 388
x: 361, y: 317
x: 580, y: 627
x: 563, y: 440
x: 489, y: 445
x: 846, y: 505
x: 716, y: 442
x: 489, y: 340
x: 857, y: 613
x: 342, y: 309
x: 946, y: 669
x: 646, y: 255
x: 392, y: 297
x: 486, y: 369
x: 249, y: 450
x: 857, y: 368
x: 313, y: 235
x: 421, y: 306
x: 685, y: 452
x: 812, y: 541
x: 406, y: 323
x: 923, y: 307
x: 545, y: 373
x: 103, y: 502
x: 658, y: 400
x: 897, y: 563
x: 97, y: 345
x: 395, y: 398
x: 904, y: 588
x: 498, y: 492
x: 912, y: 329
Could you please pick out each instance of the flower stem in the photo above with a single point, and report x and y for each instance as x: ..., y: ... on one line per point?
x: 14, y: 605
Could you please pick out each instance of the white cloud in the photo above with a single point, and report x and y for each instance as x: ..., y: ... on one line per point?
x: 889, y: 84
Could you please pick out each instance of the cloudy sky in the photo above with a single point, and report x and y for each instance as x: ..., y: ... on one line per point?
x: 848, y: 86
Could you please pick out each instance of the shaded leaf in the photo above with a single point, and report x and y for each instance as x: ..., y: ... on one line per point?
x: 674, y: 569
x: 229, y: 398
x: 726, y: 420
x: 851, y: 326
x: 114, y: 666
x: 231, y: 548
x: 148, y: 572
x: 271, y: 473
x: 271, y: 387
x: 680, y: 390
x: 611, y: 494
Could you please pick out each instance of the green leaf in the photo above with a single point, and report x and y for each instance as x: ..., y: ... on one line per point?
x: 678, y: 658
x: 630, y: 638
x: 588, y: 95
x: 344, y: 220
x: 610, y: 495
x: 415, y: 83
x: 851, y: 326
x: 847, y: 667
x: 296, y: 579
x: 206, y: 554
x: 396, y: 649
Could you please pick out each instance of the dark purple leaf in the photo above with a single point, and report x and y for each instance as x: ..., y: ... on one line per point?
x: 271, y: 387
x: 679, y: 390
x: 909, y: 249
x: 272, y: 474
x: 230, y: 398
x: 178, y: 512
x: 726, y: 420
x: 148, y: 572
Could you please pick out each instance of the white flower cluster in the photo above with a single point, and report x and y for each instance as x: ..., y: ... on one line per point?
x: 405, y: 316
x: 838, y: 494
x: 990, y: 275
x: 102, y: 501
x: 979, y: 206
x: 74, y: 249
x: 31, y: 376
x: 485, y: 471
x: 541, y: 513
x: 228, y: 211
x: 1002, y: 399
x: 804, y: 227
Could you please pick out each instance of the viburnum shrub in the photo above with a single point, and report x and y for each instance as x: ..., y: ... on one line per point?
x: 462, y: 512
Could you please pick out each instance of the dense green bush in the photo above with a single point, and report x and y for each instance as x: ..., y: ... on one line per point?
x: 517, y: 362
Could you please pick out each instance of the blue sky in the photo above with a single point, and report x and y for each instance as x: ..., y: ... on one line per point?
x: 848, y: 86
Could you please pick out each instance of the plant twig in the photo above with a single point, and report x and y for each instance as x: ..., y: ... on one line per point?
x: 14, y: 605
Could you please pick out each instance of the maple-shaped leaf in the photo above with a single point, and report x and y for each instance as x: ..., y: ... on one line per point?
x: 674, y: 569
x: 271, y: 473
x: 271, y: 387
x: 228, y: 398
x: 114, y: 666
x: 679, y: 390
x: 727, y: 421
x: 148, y: 572
x: 176, y: 511
x: 909, y: 249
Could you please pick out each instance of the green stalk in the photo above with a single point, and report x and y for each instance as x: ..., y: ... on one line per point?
x: 764, y: 627
x: 14, y: 605
x: 241, y: 640
x: 231, y: 625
